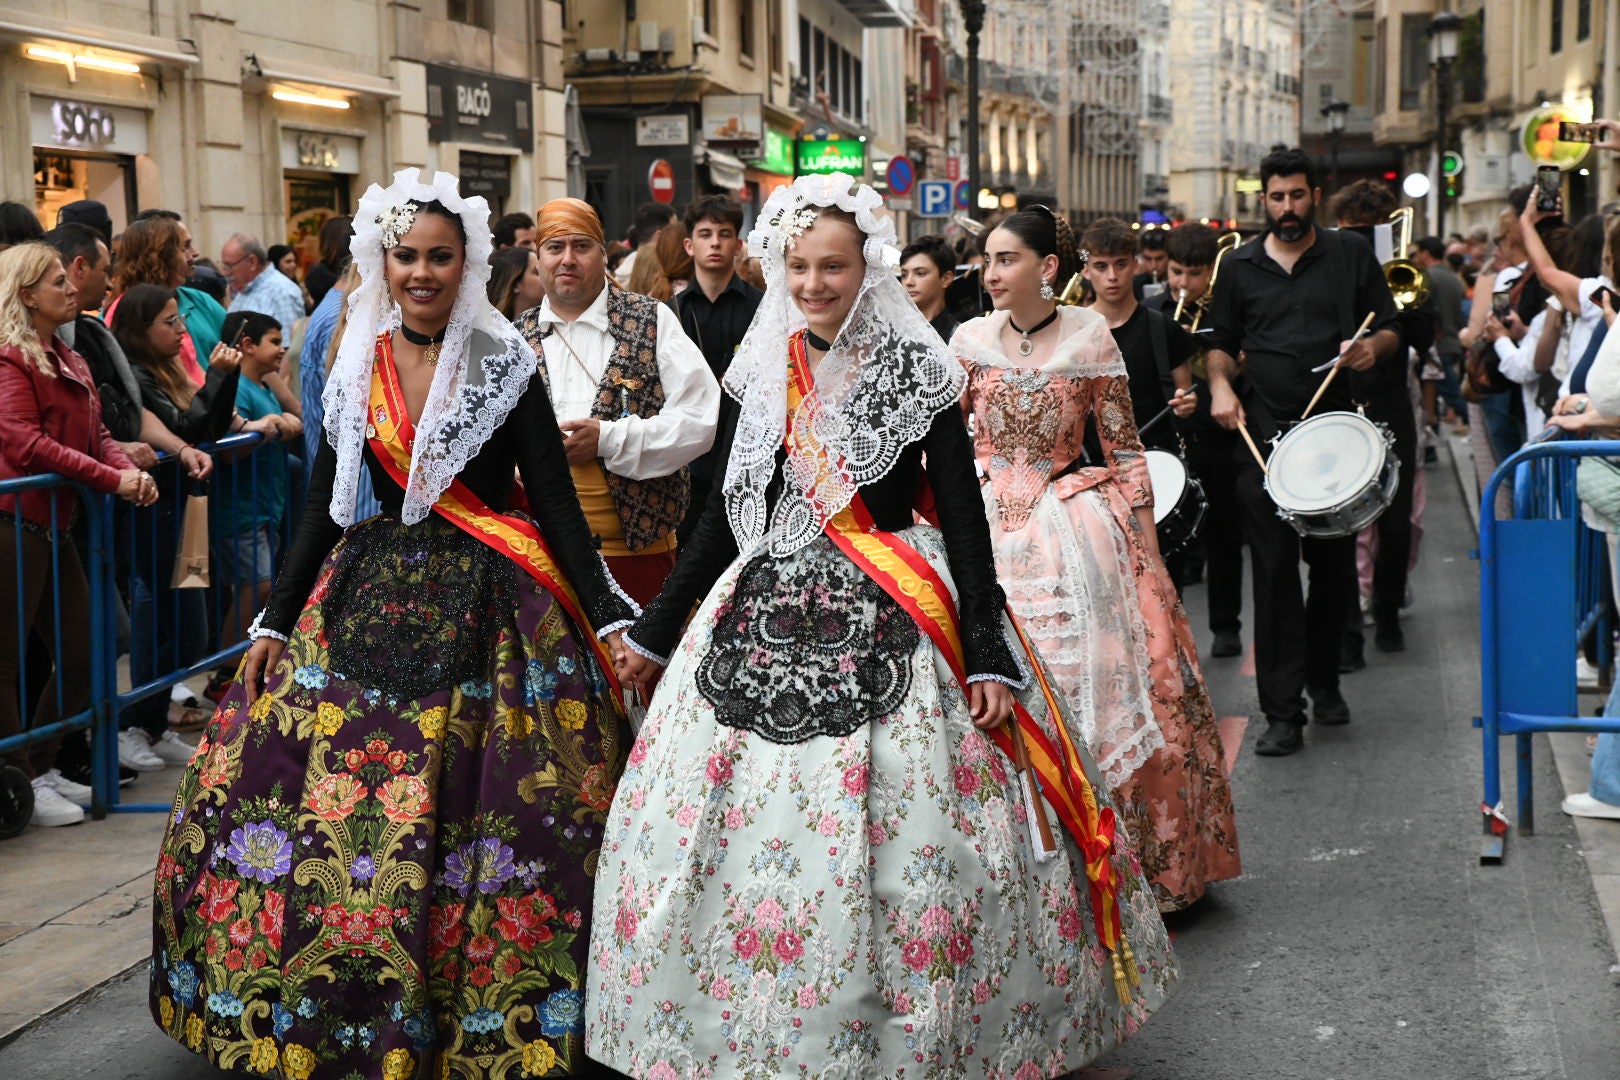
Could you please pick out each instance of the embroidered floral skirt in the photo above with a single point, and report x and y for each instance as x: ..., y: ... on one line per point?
x: 788, y: 894
x: 384, y: 868
x: 1078, y: 573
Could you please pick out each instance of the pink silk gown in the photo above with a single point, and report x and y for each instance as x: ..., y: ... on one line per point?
x: 1071, y: 557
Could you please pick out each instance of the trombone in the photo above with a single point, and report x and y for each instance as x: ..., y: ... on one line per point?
x: 1406, y: 281
x: 1227, y: 244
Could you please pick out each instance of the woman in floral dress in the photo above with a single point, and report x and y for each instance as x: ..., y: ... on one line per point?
x: 1076, y: 548
x: 380, y: 860
x: 819, y: 863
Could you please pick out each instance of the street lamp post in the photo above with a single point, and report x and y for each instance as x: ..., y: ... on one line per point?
x: 1334, y: 113
x: 1444, y: 30
x: 973, y: 22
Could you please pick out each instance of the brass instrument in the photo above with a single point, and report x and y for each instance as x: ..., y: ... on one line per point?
x: 1405, y: 278
x: 1227, y: 244
x: 1070, y: 296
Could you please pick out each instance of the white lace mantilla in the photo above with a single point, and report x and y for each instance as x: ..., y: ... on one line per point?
x: 484, y: 364
x: 878, y: 389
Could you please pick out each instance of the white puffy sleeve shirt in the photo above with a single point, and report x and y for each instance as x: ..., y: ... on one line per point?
x: 637, y: 448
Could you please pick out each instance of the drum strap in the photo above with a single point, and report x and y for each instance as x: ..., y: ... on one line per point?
x: 1161, y: 346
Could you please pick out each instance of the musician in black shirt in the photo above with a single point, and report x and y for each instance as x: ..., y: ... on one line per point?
x: 715, y: 311
x: 927, y: 268
x: 1191, y: 250
x: 1289, y: 301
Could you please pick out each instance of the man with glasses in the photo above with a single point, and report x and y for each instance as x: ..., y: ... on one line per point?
x: 258, y: 286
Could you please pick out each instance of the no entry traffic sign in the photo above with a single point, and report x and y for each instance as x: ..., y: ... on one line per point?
x: 901, y: 176
x: 661, y: 181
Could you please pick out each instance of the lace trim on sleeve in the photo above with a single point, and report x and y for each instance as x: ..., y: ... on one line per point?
x: 630, y: 643
x: 613, y: 583
x: 601, y: 635
x: 256, y: 631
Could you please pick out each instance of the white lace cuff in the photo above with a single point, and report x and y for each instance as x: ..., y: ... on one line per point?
x: 1020, y: 684
x: 613, y: 583
x: 601, y: 635
x: 630, y: 643
x: 255, y: 631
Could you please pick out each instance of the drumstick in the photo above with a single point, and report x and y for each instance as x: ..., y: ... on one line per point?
x: 1164, y: 412
x: 1337, y: 364
x: 1040, y: 827
x: 1253, y: 449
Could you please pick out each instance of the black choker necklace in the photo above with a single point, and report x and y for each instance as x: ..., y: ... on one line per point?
x: 431, y: 341
x: 820, y: 344
x: 1025, y: 347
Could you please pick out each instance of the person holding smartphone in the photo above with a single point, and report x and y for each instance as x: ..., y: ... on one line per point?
x: 1580, y: 296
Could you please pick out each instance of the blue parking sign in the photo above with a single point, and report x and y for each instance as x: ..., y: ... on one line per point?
x: 934, y: 198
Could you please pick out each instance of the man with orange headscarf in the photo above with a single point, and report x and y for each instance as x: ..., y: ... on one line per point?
x: 634, y: 396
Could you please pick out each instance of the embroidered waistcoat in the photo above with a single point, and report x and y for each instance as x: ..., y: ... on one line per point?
x: 649, y: 510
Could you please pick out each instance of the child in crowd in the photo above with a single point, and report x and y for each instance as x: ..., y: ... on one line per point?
x: 250, y: 490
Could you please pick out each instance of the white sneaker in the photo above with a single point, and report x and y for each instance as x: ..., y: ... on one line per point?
x: 136, y: 752
x: 72, y: 792
x: 1581, y: 804
x: 184, y: 696
x: 50, y: 809
x: 1587, y: 676
x: 171, y: 749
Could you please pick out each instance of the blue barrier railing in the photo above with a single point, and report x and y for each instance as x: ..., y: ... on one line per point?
x: 1543, y: 587
x: 128, y: 555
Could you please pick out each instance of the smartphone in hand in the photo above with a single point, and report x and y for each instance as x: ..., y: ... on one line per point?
x: 1549, y: 188
x: 1600, y: 292
x: 1568, y: 131
x: 1502, y: 304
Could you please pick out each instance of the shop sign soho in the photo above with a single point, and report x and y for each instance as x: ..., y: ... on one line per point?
x: 82, y: 125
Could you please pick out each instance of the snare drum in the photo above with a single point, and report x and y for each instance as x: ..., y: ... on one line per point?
x: 1179, y: 504
x: 1333, y: 475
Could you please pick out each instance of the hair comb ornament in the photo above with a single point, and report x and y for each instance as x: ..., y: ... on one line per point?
x: 395, y: 222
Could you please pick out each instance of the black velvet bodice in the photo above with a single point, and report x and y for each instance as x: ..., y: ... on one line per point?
x: 891, y: 500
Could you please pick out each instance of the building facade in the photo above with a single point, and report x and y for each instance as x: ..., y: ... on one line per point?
x: 1515, y: 58
x: 1235, y: 78
x: 267, y: 119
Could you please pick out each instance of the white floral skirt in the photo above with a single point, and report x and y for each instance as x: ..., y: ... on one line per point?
x: 849, y: 905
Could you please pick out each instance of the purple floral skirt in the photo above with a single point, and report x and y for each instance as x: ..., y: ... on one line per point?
x: 384, y: 868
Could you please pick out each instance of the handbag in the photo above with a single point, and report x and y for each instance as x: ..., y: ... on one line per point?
x: 1597, y: 482
x: 191, y: 558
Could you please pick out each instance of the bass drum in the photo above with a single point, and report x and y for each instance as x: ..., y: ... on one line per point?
x: 1333, y: 475
x: 1179, y: 504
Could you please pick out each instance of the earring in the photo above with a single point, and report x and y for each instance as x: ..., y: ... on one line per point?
x: 1046, y: 291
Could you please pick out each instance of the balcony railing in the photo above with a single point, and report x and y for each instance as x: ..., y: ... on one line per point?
x: 1159, y: 109
x: 1155, y: 185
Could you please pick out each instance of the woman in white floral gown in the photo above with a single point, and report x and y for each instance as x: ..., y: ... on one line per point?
x: 819, y: 862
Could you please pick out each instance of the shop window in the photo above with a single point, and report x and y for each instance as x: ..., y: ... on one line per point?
x: 472, y: 12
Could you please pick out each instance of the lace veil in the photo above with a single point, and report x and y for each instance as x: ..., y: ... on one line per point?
x: 484, y: 364
x: 877, y: 390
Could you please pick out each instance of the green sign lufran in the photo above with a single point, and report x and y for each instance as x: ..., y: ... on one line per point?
x: 778, y: 152
x: 832, y: 155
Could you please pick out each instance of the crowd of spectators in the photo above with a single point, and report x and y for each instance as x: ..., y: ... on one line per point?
x: 119, y: 357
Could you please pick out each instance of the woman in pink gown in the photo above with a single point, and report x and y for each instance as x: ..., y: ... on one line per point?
x: 1078, y: 555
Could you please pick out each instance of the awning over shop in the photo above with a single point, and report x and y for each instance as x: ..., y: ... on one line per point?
x: 725, y: 170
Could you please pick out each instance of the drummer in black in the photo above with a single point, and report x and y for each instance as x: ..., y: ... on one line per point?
x: 1288, y: 301
x: 1156, y: 351
x: 1190, y: 252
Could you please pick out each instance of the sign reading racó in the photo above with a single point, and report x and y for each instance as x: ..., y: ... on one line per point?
x: 476, y: 107
x: 832, y: 155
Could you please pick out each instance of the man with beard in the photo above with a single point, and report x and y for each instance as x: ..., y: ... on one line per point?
x: 1290, y: 300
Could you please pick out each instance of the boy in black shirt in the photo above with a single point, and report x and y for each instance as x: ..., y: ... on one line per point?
x: 1156, y: 351
x: 1190, y: 250
x: 715, y: 310
x: 927, y: 266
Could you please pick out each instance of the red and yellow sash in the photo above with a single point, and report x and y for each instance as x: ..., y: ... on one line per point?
x: 391, y: 434
x: 917, y: 587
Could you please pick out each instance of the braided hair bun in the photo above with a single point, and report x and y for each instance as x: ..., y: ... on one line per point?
x: 1046, y: 232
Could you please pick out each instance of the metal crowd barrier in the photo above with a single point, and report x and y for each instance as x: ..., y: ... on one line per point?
x: 172, y: 634
x: 1543, y: 586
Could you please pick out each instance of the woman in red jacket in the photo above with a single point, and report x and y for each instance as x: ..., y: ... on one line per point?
x: 50, y: 422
